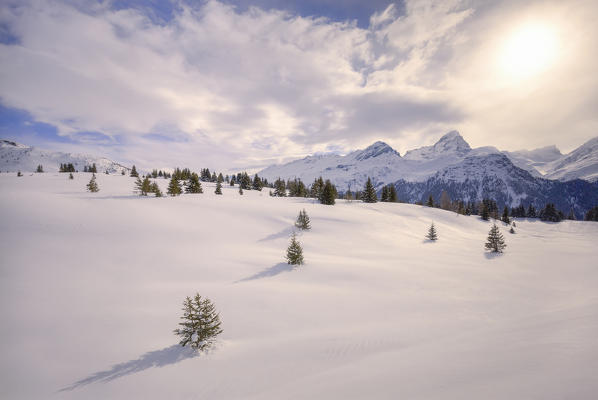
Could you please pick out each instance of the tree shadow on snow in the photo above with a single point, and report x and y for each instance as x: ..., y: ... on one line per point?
x: 285, y: 233
x: 157, y: 358
x: 492, y: 255
x: 269, y: 272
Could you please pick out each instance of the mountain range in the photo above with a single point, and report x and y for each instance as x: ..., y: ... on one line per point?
x: 19, y: 157
x: 526, y: 176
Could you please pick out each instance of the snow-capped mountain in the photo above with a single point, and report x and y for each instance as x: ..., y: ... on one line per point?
x: 19, y: 157
x: 379, y: 161
x: 580, y: 163
x: 534, y: 161
x: 467, y: 174
x: 494, y: 176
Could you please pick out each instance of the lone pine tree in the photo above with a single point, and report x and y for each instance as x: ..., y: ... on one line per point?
x: 218, y: 188
x: 432, y: 233
x: 294, y: 252
x: 430, y: 202
x: 92, y: 186
x: 303, y: 221
x: 134, y: 173
x: 143, y: 187
x: 200, y: 323
x: 71, y: 175
x: 495, y: 241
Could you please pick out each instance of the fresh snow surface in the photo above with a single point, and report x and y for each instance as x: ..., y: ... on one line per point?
x: 92, y: 286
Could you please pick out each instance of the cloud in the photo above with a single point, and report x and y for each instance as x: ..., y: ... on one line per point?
x: 213, y: 85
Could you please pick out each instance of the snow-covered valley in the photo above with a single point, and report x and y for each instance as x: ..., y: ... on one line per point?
x: 92, y: 286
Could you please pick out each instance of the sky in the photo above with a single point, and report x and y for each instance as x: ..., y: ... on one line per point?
x: 242, y: 84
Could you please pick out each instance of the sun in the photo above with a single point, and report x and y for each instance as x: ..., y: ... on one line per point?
x: 528, y: 50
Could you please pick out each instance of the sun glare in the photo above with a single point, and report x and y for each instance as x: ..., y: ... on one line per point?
x: 529, y: 50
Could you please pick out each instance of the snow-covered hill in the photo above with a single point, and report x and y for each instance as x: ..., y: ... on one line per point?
x: 92, y: 286
x: 19, y: 157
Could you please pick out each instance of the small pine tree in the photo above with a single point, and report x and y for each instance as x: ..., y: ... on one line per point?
x: 71, y: 175
x: 303, y: 221
x: 174, y: 187
x: 134, y: 172
x: 294, y: 252
x: 241, y: 190
x: 92, y: 186
x: 39, y: 169
x: 485, y: 214
x: 505, y: 216
x: 193, y: 185
x: 122, y: 172
x: 432, y: 233
x: 511, y: 230
x: 143, y: 187
x: 369, y: 193
x: 201, y: 323
x: 495, y: 241
x: 155, y: 189
x: 19, y: 173
x: 218, y: 188
x: 328, y: 194
x: 430, y: 202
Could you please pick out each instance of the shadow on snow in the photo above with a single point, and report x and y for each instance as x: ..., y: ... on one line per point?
x: 157, y: 358
x: 269, y: 272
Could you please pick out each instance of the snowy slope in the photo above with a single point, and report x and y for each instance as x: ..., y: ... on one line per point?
x: 581, y: 163
x: 18, y: 157
x: 92, y: 286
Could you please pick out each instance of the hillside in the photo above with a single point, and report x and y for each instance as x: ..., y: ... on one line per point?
x: 19, y: 157
x: 92, y: 287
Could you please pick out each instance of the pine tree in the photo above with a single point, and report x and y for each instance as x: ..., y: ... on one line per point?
x: 303, y: 221
x: 511, y: 230
x: 369, y: 193
x: 143, y: 187
x: 218, y: 188
x: 392, y: 194
x: 432, y: 233
x: 155, y: 189
x: 92, y: 186
x: 384, y: 195
x: 531, y: 211
x: 241, y: 190
x: 122, y: 172
x: 134, y: 173
x: 485, y: 214
x: 495, y: 241
x: 328, y: 194
x: 280, y: 189
x: 201, y: 323
x: 71, y: 175
x: 430, y: 202
x: 294, y: 252
x: 40, y: 169
x: 193, y: 184
x: 591, y: 214
x: 505, y: 216
x: 174, y: 187
x: 257, y: 183
x: 19, y: 173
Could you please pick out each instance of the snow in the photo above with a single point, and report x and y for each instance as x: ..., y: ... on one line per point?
x: 385, y: 166
x: 92, y: 286
x: 19, y: 157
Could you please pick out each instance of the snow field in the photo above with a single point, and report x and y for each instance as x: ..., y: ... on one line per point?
x: 92, y: 286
